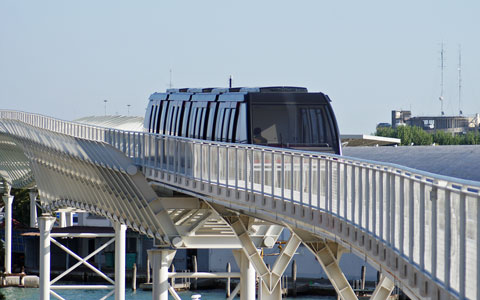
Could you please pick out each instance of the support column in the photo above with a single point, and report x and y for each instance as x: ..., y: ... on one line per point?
x: 33, y: 209
x: 63, y: 220
x: 120, y: 254
x: 328, y: 255
x: 384, y: 289
x: 161, y: 260
x: 45, y: 225
x: 69, y: 216
x: 247, y: 275
x: 8, y: 200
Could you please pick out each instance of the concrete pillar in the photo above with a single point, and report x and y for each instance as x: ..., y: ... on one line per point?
x: 120, y: 254
x: 247, y: 275
x: 8, y: 200
x: 45, y: 225
x: 33, y: 209
x: 161, y: 260
x: 63, y: 220
x: 69, y: 217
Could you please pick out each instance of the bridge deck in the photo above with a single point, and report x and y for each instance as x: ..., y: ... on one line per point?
x: 423, y: 229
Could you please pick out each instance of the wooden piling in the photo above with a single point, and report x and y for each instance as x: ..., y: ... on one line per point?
x: 195, y: 269
x: 364, y: 271
x: 294, y: 278
x: 229, y: 270
x: 172, y: 280
x: 134, y: 277
x: 148, y: 270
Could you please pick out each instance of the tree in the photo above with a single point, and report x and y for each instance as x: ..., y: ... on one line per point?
x: 417, y: 136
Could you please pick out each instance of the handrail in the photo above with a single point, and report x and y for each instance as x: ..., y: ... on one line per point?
x: 431, y: 220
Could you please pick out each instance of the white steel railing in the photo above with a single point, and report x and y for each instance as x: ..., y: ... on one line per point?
x: 430, y: 220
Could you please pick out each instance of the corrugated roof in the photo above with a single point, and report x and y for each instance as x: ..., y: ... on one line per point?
x: 118, y: 122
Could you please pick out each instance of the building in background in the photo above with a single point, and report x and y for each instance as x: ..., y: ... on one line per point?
x: 451, y: 124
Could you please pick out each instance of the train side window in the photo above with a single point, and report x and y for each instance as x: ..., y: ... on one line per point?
x: 241, y: 134
x: 153, y: 115
x: 198, y: 123
x: 315, y: 124
x: 169, y: 119
x: 218, y: 131
x: 178, y: 119
x: 231, y: 125
x: 226, y: 124
x: 193, y: 118
x: 204, y: 121
x: 306, y: 127
x: 186, y: 118
x: 158, y: 115
x: 150, y: 119
x: 161, y: 121
x: 173, y: 127
x: 211, y: 121
x: 328, y: 128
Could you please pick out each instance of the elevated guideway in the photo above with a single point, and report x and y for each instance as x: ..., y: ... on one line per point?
x: 419, y: 229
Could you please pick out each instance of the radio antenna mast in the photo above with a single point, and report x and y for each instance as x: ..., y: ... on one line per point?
x: 170, y: 84
x: 442, y: 67
x: 460, y: 79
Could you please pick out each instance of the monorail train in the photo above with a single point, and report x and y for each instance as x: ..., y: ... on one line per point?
x: 287, y: 117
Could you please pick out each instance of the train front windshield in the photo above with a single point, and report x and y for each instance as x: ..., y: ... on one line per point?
x: 293, y: 126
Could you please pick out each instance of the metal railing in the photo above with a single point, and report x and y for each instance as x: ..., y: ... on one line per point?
x: 430, y: 220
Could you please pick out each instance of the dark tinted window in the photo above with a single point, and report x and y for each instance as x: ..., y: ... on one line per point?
x: 212, y: 114
x: 241, y: 133
x: 231, y: 132
x: 291, y: 125
x: 218, y: 130
x: 226, y: 125
x: 169, y: 119
x: 161, y: 121
x: 193, y: 118
x: 153, y: 113
x: 186, y: 118
x: 178, y: 119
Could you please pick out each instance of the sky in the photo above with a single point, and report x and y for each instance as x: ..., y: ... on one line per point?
x: 64, y: 58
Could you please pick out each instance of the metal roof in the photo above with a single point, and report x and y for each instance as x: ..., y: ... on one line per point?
x: 118, y: 122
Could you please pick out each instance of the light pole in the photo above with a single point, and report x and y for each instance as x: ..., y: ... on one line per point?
x: 128, y: 109
x: 105, y: 101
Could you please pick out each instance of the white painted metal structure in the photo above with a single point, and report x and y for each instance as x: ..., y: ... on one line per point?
x: 421, y: 230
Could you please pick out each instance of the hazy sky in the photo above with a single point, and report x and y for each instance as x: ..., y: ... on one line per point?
x: 63, y: 58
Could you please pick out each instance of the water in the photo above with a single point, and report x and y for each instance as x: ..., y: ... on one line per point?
x: 12, y: 293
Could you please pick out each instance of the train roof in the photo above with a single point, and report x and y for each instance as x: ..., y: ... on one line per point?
x: 232, y: 94
x: 216, y: 90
